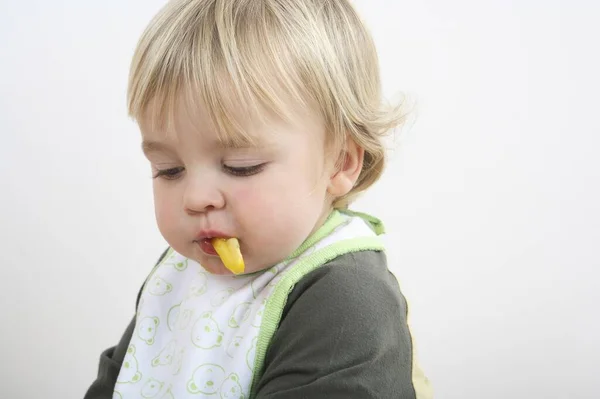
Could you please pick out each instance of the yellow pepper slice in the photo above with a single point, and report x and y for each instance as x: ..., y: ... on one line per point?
x: 229, y: 251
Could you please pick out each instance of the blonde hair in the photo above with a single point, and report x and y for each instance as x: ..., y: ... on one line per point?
x: 252, y: 54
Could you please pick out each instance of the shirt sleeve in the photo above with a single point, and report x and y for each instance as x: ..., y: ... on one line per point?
x: 111, y: 360
x: 343, y: 334
x: 109, y: 367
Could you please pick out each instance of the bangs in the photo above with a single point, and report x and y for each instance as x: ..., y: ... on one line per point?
x: 230, y: 62
x: 240, y: 60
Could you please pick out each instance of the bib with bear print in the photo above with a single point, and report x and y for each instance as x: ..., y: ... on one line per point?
x: 200, y: 335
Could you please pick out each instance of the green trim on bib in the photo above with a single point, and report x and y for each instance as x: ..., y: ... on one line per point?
x: 331, y: 223
x: 278, y: 299
x: 376, y: 224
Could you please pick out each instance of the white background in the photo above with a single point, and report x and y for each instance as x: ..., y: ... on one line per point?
x: 491, y: 197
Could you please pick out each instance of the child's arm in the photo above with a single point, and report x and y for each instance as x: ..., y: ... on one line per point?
x: 110, y: 365
x: 112, y: 359
x: 343, y: 334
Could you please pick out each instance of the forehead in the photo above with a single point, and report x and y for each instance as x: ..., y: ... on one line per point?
x: 229, y: 127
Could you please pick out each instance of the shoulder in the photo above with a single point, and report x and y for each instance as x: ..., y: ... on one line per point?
x: 343, y: 333
x: 354, y: 284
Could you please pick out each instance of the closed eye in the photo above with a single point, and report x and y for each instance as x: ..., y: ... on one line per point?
x: 243, y: 171
x: 168, y: 174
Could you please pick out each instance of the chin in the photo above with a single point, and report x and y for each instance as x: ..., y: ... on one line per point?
x: 213, y: 265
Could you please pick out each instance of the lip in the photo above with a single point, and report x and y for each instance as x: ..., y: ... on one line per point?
x: 208, y: 234
x: 203, y: 239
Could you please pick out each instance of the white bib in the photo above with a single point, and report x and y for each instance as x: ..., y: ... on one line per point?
x: 196, y: 334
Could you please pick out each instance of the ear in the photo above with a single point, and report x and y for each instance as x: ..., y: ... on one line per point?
x: 349, y: 167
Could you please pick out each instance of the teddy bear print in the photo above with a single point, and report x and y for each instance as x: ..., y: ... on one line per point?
x: 178, y: 265
x: 147, y: 329
x: 251, y: 355
x: 240, y: 314
x: 184, y: 319
x: 165, y: 356
x: 172, y: 316
x: 178, y: 319
x: 171, y: 257
x: 168, y: 394
x: 220, y: 297
x: 178, y: 360
x: 206, y: 379
x: 234, y: 346
x: 257, y: 321
x: 206, y: 333
x: 231, y: 388
x: 151, y: 388
x: 198, y: 286
x: 129, y: 371
x: 158, y: 286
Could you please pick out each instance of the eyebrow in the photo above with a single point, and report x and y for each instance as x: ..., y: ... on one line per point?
x: 154, y: 146
x: 241, y: 142
x: 149, y: 146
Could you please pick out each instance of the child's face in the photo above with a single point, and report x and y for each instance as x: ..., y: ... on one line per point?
x: 270, y: 196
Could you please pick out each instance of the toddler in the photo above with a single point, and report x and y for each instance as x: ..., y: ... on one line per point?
x: 262, y: 120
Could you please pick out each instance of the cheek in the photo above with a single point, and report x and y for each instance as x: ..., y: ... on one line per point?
x: 284, y: 204
x: 253, y: 201
x: 165, y: 207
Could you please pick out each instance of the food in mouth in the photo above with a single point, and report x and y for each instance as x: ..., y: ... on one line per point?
x: 228, y: 250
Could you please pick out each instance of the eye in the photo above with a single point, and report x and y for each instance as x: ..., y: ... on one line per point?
x: 243, y: 171
x: 169, y: 174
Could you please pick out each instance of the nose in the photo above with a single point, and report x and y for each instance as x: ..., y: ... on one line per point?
x: 201, y: 195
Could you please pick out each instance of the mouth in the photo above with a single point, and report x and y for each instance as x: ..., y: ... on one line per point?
x: 206, y: 246
x: 203, y: 240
